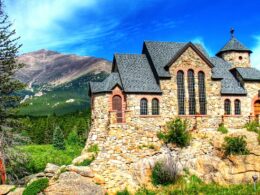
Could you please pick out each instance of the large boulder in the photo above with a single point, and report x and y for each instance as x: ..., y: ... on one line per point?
x: 73, y: 183
x: 17, y: 191
x: 51, y: 168
x: 5, y: 189
x: 82, y: 170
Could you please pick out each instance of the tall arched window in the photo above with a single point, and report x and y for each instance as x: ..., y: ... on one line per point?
x: 143, y: 107
x: 202, y: 93
x: 237, y: 107
x: 191, y: 89
x: 181, y: 92
x: 227, y: 107
x: 155, y: 106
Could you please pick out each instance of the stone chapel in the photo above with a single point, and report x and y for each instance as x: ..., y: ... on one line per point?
x: 172, y: 79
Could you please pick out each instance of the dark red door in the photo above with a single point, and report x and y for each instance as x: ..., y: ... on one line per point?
x: 257, y: 108
x: 117, y: 106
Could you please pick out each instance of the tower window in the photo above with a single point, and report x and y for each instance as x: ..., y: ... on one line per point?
x: 240, y: 58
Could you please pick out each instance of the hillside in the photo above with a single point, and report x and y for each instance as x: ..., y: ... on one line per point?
x: 58, y: 83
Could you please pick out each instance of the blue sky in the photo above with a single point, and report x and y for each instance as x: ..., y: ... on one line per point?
x: 104, y: 27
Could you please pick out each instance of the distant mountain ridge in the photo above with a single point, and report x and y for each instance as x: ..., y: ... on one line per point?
x: 58, y: 83
x: 51, y: 67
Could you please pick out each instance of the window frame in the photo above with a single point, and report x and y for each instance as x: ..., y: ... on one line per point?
x: 191, y: 91
x: 202, y: 93
x: 237, y: 107
x: 143, y: 107
x: 156, y: 107
x: 227, y: 105
x: 181, y: 92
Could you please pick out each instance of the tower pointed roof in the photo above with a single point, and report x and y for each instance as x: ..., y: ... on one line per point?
x: 233, y: 45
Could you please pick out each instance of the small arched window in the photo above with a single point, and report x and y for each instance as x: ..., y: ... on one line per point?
x: 237, y: 107
x: 227, y: 107
x: 143, y: 107
x: 155, y: 106
x: 181, y: 92
x: 202, y: 93
x: 191, y: 90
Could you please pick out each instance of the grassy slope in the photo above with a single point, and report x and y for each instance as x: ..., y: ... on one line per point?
x: 191, y: 185
x: 54, y: 101
x: 40, y: 155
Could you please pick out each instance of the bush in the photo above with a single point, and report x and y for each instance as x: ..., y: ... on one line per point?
x: 164, y: 172
x: 86, y: 162
x: 235, y: 145
x: 35, y: 187
x: 124, y: 192
x: 177, y: 133
x: 73, y: 138
x: 93, y: 148
x: 253, y: 126
x: 58, y: 139
x: 222, y: 129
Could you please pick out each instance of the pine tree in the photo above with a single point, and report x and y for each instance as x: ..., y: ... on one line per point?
x: 58, y: 139
x: 8, y: 85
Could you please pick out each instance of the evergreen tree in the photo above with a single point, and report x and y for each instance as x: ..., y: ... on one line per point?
x: 58, y: 139
x: 8, y: 85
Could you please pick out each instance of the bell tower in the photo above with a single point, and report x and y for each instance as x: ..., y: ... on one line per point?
x: 235, y: 52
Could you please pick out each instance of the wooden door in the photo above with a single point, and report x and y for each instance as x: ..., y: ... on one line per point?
x: 117, y: 106
x: 257, y: 108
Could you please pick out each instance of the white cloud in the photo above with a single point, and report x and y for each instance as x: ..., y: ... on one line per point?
x: 200, y: 40
x: 255, y: 57
x: 38, y: 21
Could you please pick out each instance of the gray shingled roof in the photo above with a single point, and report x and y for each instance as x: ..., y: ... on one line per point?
x: 133, y: 73
x: 136, y: 73
x: 250, y: 74
x: 107, y: 85
x: 233, y: 45
x: 161, y: 53
x: 229, y: 85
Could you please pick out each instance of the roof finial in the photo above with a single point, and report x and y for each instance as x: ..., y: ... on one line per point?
x: 232, y: 31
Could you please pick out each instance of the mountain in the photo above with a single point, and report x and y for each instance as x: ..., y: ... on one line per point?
x: 58, y: 83
x: 53, y: 68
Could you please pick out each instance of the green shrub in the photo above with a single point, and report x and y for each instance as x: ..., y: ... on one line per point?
x: 164, y: 172
x: 144, y: 191
x: 35, y: 187
x: 93, y: 148
x: 253, y: 126
x: 235, y: 145
x: 176, y: 133
x: 73, y: 138
x: 222, y: 129
x: 124, y: 192
x: 58, y: 139
x: 86, y: 162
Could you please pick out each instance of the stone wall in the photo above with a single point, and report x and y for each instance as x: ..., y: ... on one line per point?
x: 238, y: 59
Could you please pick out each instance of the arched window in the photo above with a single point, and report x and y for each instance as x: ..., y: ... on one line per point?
x: 202, y: 93
x: 181, y: 92
x: 237, y: 107
x: 227, y: 107
x: 143, y: 107
x: 191, y: 90
x: 155, y: 106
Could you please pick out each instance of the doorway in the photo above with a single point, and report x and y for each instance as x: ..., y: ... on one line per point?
x: 117, y: 106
